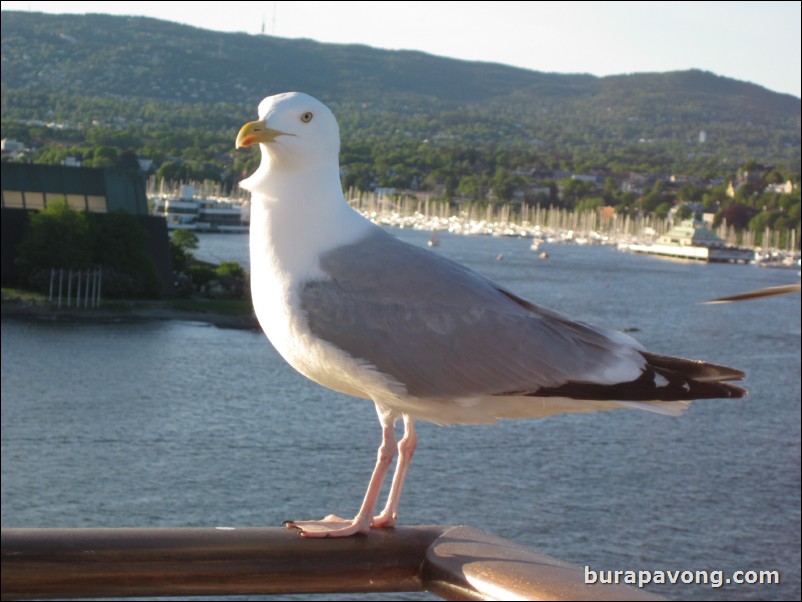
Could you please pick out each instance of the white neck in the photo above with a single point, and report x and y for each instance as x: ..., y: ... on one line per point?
x: 295, y: 216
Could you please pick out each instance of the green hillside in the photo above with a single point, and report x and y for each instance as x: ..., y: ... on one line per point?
x: 178, y: 94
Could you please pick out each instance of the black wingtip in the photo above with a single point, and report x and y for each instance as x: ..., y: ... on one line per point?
x: 693, y: 369
x: 664, y: 378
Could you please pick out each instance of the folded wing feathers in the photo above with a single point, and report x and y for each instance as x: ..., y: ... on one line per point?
x: 362, y: 307
x: 667, y: 379
x: 664, y: 378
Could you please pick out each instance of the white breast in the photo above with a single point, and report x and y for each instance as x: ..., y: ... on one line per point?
x: 279, y: 268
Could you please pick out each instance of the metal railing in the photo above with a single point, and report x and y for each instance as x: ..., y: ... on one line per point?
x: 456, y: 563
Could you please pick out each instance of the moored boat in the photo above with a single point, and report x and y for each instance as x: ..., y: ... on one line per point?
x: 692, y: 240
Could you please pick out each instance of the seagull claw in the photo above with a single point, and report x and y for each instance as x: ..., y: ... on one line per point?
x: 330, y: 526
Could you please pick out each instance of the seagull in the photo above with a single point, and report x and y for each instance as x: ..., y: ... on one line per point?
x: 354, y: 309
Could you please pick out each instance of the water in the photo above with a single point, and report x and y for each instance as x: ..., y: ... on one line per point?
x: 150, y: 424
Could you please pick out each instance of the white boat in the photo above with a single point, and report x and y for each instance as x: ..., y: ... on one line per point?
x: 691, y: 240
x: 186, y: 212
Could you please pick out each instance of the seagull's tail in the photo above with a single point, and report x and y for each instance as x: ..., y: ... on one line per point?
x: 685, y: 380
x: 695, y: 379
x: 664, y: 378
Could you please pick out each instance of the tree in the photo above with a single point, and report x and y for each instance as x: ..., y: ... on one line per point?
x: 104, y: 156
x: 472, y: 187
x: 232, y: 277
x: 185, y: 239
x: 662, y: 210
x: 574, y: 190
x: 502, y: 184
x: 51, y: 155
x: 201, y: 276
x: 689, y: 192
x: 231, y: 268
x: 589, y: 204
x: 57, y: 237
x: 182, y: 243
x: 684, y: 212
x: 737, y: 216
x: 656, y: 197
x: 759, y: 223
x: 121, y: 245
x: 715, y: 198
x: 611, y: 191
x: 172, y: 171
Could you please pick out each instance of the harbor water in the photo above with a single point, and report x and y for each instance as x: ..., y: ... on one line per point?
x: 175, y: 423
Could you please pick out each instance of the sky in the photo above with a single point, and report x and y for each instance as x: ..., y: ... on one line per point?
x: 759, y: 42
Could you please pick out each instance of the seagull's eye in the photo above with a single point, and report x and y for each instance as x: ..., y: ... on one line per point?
x: 307, y: 117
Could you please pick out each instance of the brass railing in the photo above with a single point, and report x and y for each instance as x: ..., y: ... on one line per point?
x: 456, y: 563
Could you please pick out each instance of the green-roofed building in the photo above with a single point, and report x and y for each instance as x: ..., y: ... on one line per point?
x: 29, y: 186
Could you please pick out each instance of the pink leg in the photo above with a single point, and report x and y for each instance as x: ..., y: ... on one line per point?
x: 406, y: 449
x: 334, y: 526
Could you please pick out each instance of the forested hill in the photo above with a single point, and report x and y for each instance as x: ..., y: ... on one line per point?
x: 148, y: 58
x: 80, y: 69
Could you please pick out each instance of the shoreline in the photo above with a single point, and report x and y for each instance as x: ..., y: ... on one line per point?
x: 128, y: 311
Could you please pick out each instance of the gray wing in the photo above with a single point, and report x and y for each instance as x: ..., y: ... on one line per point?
x: 444, y: 331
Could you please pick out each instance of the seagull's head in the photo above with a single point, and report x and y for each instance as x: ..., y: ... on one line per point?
x: 294, y: 130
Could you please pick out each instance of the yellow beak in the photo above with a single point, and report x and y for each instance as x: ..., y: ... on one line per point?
x: 254, y: 132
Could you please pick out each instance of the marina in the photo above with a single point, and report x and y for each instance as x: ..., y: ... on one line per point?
x: 686, y: 240
x: 199, y: 208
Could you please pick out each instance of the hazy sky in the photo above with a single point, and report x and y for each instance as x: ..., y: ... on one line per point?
x: 758, y: 42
